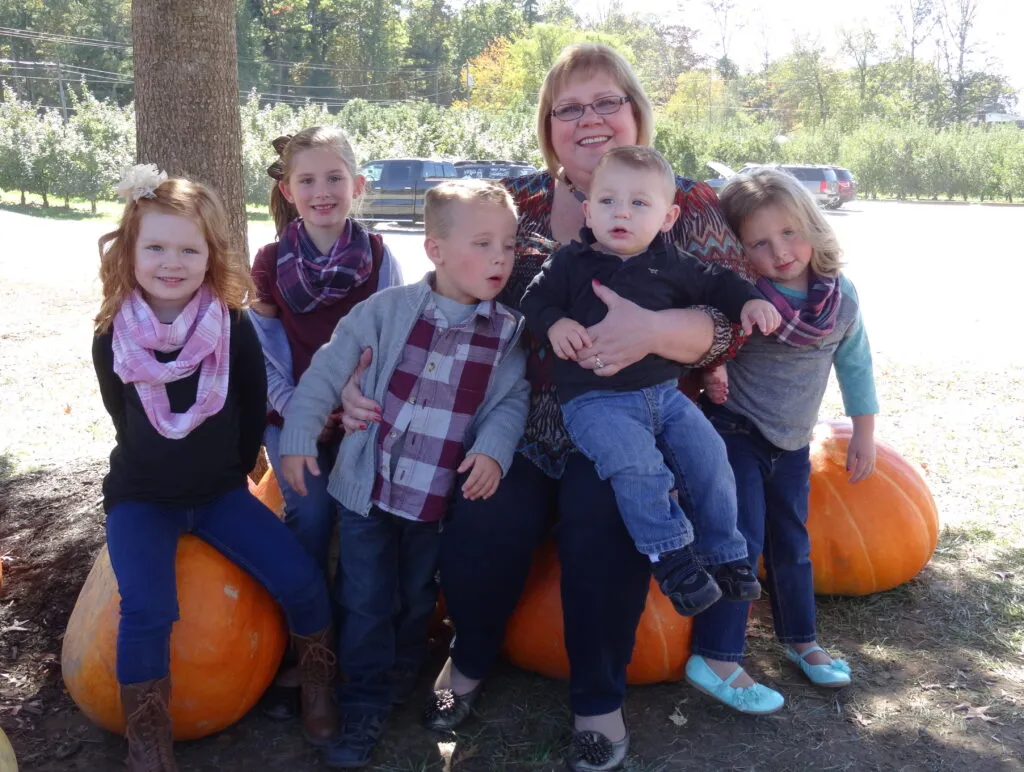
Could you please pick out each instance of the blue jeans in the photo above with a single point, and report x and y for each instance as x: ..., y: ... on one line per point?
x: 142, y: 539
x: 648, y: 442
x: 486, y: 549
x: 309, y: 517
x: 387, y: 590
x: 773, y: 486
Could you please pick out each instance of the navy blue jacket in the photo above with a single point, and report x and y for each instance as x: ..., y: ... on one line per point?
x: 662, y: 277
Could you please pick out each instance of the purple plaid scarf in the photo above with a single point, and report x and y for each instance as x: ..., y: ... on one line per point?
x: 815, y: 319
x: 308, y: 279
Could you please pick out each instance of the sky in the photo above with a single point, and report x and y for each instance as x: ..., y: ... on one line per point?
x: 999, y: 30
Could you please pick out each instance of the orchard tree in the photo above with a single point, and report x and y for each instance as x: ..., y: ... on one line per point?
x: 186, y: 97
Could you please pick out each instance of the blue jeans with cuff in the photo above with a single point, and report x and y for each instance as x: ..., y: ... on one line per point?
x: 648, y: 442
x: 142, y: 539
x: 387, y: 590
x: 773, y: 486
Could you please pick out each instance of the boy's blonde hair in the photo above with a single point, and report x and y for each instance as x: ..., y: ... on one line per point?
x: 587, y: 60
x: 226, y: 274
x: 641, y: 158
x: 766, y: 186
x: 441, y: 202
x: 313, y: 138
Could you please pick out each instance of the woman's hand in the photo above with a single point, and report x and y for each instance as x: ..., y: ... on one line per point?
x: 623, y: 337
x: 357, y: 410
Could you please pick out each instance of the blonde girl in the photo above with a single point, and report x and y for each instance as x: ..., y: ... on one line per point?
x: 181, y: 373
x: 775, y: 388
x: 322, y: 264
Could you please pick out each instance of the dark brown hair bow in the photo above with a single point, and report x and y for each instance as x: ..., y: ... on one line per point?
x: 275, y: 170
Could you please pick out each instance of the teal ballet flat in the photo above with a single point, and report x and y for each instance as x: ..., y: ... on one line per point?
x: 756, y: 700
x: 832, y: 676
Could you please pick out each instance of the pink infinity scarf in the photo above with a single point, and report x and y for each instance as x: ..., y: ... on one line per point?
x: 203, y: 333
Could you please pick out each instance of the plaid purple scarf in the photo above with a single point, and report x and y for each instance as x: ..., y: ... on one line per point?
x: 815, y: 319
x: 308, y: 279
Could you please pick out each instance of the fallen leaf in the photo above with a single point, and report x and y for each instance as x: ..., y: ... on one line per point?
x: 979, y: 712
x: 861, y: 719
x: 678, y: 718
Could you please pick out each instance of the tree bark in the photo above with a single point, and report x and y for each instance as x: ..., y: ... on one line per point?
x: 187, y: 116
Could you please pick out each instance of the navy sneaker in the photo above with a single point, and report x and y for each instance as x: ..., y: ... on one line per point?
x: 685, y: 582
x: 353, y: 746
x: 737, y: 581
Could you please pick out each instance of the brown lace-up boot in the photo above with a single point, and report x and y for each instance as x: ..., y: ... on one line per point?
x: 148, y: 726
x: 317, y: 667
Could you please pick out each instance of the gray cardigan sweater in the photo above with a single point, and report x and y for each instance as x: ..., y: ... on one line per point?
x: 383, y: 323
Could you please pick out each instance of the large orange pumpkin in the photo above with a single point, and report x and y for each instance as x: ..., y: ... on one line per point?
x: 873, y: 535
x: 225, y: 649
x: 535, y: 638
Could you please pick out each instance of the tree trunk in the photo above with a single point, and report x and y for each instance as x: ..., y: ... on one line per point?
x: 186, y: 97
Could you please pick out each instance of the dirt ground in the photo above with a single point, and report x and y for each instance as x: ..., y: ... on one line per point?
x: 938, y: 663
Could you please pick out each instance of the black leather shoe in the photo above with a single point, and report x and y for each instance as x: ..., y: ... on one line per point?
x: 445, y: 710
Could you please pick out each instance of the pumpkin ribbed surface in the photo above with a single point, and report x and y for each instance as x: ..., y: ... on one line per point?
x: 535, y: 638
x: 871, y: 536
x: 225, y: 649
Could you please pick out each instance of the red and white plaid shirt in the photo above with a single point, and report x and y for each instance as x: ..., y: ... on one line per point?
x: 434, y: 393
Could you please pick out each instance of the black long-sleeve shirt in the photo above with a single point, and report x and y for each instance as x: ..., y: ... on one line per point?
x: 213, y: 459
x: 662, y: 277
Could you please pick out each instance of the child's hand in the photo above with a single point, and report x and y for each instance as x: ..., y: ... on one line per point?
x: 568, y: 336
x: 332, y: 428
x: 759, y: 313
x: 716, y: 384
x: 483, y: 480
x: 294, y: 468
x: 860, y: 456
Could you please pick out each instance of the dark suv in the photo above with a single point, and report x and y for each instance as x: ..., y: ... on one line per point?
x: 395, y: 187
x: 847, y: 185
x: 493, y: 170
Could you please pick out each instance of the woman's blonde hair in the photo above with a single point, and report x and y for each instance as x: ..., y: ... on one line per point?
x: 313, y: 138
x: 763, y: 186
x: 226, y: 272
x: 587, y: 60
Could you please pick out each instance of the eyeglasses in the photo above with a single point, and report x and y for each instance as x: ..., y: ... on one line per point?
x: 573, y: 111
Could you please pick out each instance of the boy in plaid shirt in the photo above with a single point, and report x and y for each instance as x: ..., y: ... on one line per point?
x: 448, y: 372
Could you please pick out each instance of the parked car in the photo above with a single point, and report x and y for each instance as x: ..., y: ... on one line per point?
x: 847, y: 185
x: 724, y: 173
x: 821, y: 182
x: 492, y: 169
x: 395, y: 188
